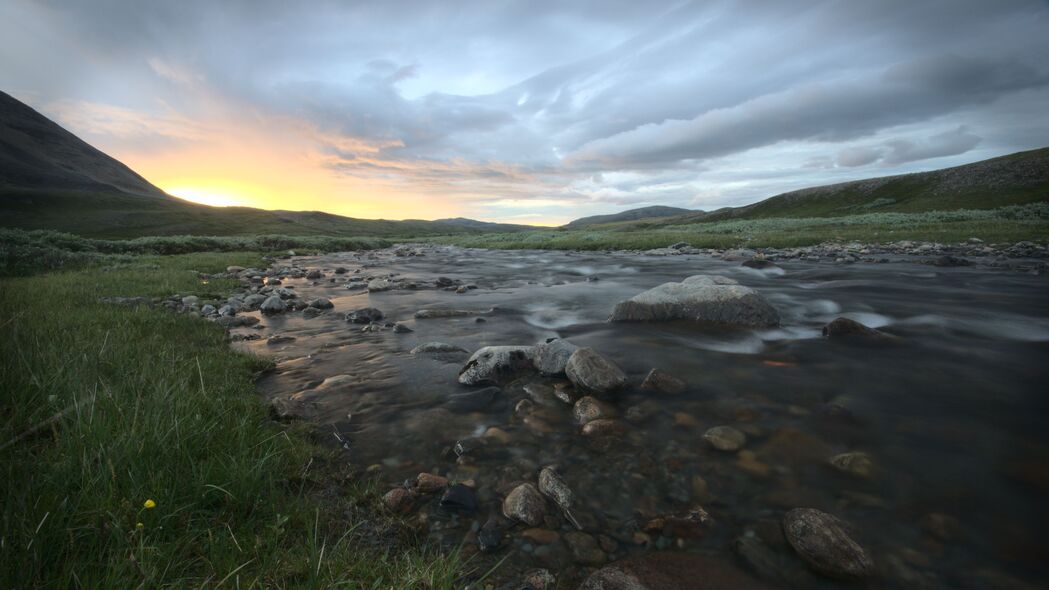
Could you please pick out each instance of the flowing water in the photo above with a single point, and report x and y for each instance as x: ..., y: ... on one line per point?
x: 952, y: 416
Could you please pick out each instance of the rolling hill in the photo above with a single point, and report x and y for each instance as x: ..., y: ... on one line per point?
x: 51, y: 179
x: 630, y: 215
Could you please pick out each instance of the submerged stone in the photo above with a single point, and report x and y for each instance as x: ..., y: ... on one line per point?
x: 703, y: 298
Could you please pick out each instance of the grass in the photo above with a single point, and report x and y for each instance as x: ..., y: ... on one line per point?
x: 105, y: 408
x: 1003, y: 225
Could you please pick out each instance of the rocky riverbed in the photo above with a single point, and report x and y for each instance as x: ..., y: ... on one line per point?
x: 809, y: 418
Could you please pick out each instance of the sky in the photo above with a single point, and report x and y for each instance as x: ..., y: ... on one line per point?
x: 532, y: 112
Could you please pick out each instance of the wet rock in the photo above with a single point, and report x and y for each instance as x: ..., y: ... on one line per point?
x: 725, y: 438
x: 472, y: 401
x: 490, y: 537
x: 590, y: 371
x: 542, y: 395
x: 493, y: 364
x: 759, y: 263
x: 312, y: 312
x: 588, y: 409
x: 207, y: 309
x: 822, y: 541
x: 459, y: 498
x: 949, y: 260
x: 430, y: 314
x: 320, y: 303
x: 691, y: 524
x: 671, y: 571
x: 524, y: 503
x: 428, y: 483
x: 585, y: 548
x: 438, y: 348
x: 398, y: 500
x: 365, y: 315
x: 279, y: 339
x: 551, y: 356
x: 844, y: 328
x: 314, y: 274
x: 767, y: 564
x: 539, y: 579
x: 272, y: 281
x: 703, y: 298
x: 377, y: 285
x: 540, y: 536
x: 855, y: 463
x: 273, y: 304
x: 660, y: 381
x: 552, y: 486
x: 604, y: 427
x: 400, y: 328
x: 239, y: 321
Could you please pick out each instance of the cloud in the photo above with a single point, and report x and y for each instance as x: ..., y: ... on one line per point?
x: 900, y: 151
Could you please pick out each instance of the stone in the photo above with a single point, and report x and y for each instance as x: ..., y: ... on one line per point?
x: 459, y: 498
x: 846, y: 329
x: 311, y: 312
x: 588, y: 409
x: 377, y: 285
x: 398, y: 500
x: 365, y: 315
x: 585, y: 548
x: 438, y: 348
x: 525, y: 504
x: 236, y: 321
x: 551, y: 356
x: 314, y: 274
x: 494, y: 364
x: 855, y: 463
x: 490, y: 537
x: 590, y: 371
x: 207, y: 309
x: 430, y: 314
x: 273, y: 304
x: 540, y: 536
x: 428, y: 483
x: 320, y: 303
x: 472, y: 401
x: 400, y: 328
x: 660, y: 381
x: 279, y: 339
x: 822, y: 541
x: 725, y: 438
x: 671, y: 571
x: 234, y: 269
x: 759, y: 263
x: 690, y: 524
x: 605, y: 427
x: 700, y: 298
x: 539, y: 579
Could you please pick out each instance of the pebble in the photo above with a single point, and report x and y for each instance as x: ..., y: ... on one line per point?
x: 660, y: 381
x: 855, y: 463
x: 588, y: 409
x: 585, y: 548
x: 725, y: 438
x: 604, y: 427
x: 428, y: 483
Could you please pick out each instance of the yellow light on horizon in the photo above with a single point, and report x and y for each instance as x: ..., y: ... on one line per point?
x: 224, y: 194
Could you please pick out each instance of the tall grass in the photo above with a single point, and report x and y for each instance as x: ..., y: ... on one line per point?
x: 105, y: 408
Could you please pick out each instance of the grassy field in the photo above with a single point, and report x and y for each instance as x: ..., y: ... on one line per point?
x: 1003, y: 225
x: 136, y: 454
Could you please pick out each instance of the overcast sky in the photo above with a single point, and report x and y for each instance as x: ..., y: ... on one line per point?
x: 536, y: 111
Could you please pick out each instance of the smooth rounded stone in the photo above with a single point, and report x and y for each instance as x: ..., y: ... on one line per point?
x: 660, y: 381
x: 539, y: 579
x: 671, y: 571
x: 524, y: 503
x: 365, y: 315
x: 690, y: 524
x: 604, y: 427
x: 234, y: 269
x: 311, y: 312
x: 207, y: 309
x: 472, y: 401
x: 314, y: 274
x: 438, y: 348
x: 540, y: 536
x: 854, y: 463
x: 588, y: 409
x: 272, y: 281
x: 725, y: 438
x: 227, y: 310
x: 846, y: 329
x: 592, y: 372
x: 239, y: 321
x: 702, y: 298
x: 551, y: 357
x: 822, y: 541
x: 554, y: 487
x: 320, y: 303
x: 490, y: 537
x: 400, y: 328
x: 398, y: 500
x: 493, y: 364
x: 428, y: 483
x: 377, y: 285
x: 459, y: 498
x: 585, y: 548
x: 273, y: 304
x: 254, y: 300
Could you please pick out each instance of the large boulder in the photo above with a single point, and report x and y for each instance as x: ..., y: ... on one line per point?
x: 273, y: 304
x: 822, y: 541
x: 495, y: 364
x: 551, y: 357
x: 671, y: 571
x: 590, y: 371
x: 701, y: 298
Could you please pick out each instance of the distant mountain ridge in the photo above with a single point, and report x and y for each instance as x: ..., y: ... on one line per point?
x: 51, y: 179
x: 630, y: 215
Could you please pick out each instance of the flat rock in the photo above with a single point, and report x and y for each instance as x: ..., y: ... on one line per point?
x: 592, y: 372
x: 671, y: 571
x: 494, y: 364
x: 376, y: 285
x: 551, y: 357
x: 701, y: 298
x: 430, y: 314
x: 438, y: 348
x: 822, y: 541
x: 725, y: 438
x: 365, y: 315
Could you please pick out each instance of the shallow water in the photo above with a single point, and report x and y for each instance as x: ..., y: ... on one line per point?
x: 952, y: 416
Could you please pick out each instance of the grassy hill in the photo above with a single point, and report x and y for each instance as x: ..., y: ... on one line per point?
x: 630, y: 215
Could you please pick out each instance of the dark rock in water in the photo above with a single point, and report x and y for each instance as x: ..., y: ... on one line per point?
x: 854, y: 463
x: 551, y: 356
x: 585, y: 548
x: 400, y: 328
x: 759, y: 263
x: 604, y: 427
x: 493, y: 364
x: 949, y: 260
x: 236, y: 321
x: 340, y: 270
x: 725, y: 438
x: 525, y: 504
x: 279, y: 339
x: 587, y: 409
x: 429, y: 314
x: 768, y: 564
x: 314, y: 274
x: 438, y: 348
x: 671, y: 571
x: 442, y: 282
x: 273, y: 304
x: 542, y: 395
x: 844, y: 328
x: 592, y: 372
x: 703, y: 298
x: 472, y: 401
x: 320, y: 303
x: 490, y: 537
x: 539, y: 579
x: 822, y: 541
x: 312, y: 312
x: 364, y: 315
x: 690, y: 524
x: 660, y: 381
x: 428, y: 483
x: 459, y: 498
x: 398, y: 500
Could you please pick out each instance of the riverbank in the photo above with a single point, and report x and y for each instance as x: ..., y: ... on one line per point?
x: 137, y: 453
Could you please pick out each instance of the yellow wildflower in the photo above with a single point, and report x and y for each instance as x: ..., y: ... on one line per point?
x: 139, y: 526
x: 149, y: 504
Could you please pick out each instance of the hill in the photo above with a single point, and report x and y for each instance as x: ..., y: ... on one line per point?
x: 630, y: 215
x: 51, y: 179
